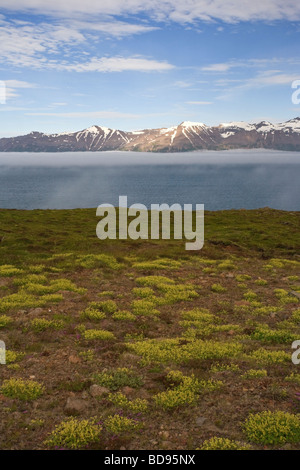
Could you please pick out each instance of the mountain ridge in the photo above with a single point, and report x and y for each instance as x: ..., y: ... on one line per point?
x: 186, y: 136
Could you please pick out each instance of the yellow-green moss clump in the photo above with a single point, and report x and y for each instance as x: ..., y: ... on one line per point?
x: 42, y: 324
x: 226, y: 264
x: 98, y: 261
x: 5, y: 321
x: 106, y: 306
x: 294, y: 378
x: 172, y: 292
x: 269, y: 357
x: 215, y: 368
x: 178, y: 351
x: 98, y: 334
x: 144, y: 307
x: 273, y: 428
x: 117, y: 378
x: 26, y: 390
x: 74, y: 433
x: 161, y: 263
x: 92, y: 314
x: 255, y: 374
x: 222, y: 443
x: 218, y: 288
x: 8, y: 270
x: 136, y: 406
x: 266, y: 334
x: 23, y: 300
x: 296, y: 316
x: 185, y: 393
x: 13, y: 356
x: 143, y: 292
x: 261, y: 282
x: 117, y: 424
x: 185, y: 390
x: 243, y: 277
x: 123, y: 315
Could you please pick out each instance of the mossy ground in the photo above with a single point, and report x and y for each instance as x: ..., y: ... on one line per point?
x: 58, y: 282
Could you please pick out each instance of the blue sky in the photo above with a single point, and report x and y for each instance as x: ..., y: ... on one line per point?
x: 69, y: 64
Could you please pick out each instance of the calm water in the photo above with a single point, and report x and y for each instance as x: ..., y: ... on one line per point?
x: 219, y: 180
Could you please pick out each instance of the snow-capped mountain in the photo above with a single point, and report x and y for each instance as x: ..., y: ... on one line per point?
x: 184, y: 137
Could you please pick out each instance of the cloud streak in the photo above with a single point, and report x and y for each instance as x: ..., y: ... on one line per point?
x: 179, y: 11
x: 48, y: 46
x: 89, y: 114
x: 200, y: 103
x: 118, y: 64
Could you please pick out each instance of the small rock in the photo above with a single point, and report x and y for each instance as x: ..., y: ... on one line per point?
x: 74, y: 359
x: 130, y: 358
x: 98, y: 391
x: 200, y: 420
x: 36, y: 311
x: 294, y: 293
x: 74, y: 406
x: 127, y: 390
x: 122, y: 448
x: 286, y: 447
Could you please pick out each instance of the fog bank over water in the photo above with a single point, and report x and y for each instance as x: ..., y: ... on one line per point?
x: 117, y: 158
x: 219, y: 180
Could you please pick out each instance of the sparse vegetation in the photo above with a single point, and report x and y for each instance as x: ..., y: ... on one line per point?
x: 26, y: 390
x: 273, y: 428
x: 150, y: 346
x: 74, y: 434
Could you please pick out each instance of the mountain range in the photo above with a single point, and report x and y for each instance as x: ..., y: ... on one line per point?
x: 186, y: 136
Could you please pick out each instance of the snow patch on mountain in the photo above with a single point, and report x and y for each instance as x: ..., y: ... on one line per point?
x: 239, y: 125
x: 225, y: 135
x: 190, y: 124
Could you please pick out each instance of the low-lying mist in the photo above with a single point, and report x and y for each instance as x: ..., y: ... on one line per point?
x: 66, y: 159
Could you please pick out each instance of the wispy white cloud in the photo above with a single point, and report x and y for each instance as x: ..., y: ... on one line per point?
x: 88, y: 114
x: 11, y: 87
x: 56, y: 105
x: 118, y: 64
x: 260, y: 80
x: 269, y: 79
x: 47, y: 46
x: 199, y: 102
x: 253, y: 63
x: 222, y: 67
x: 182, y: 84
x: 112, y: 27
x: 180, y: 11
x: 27, y: 44
x: 19, y: 84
